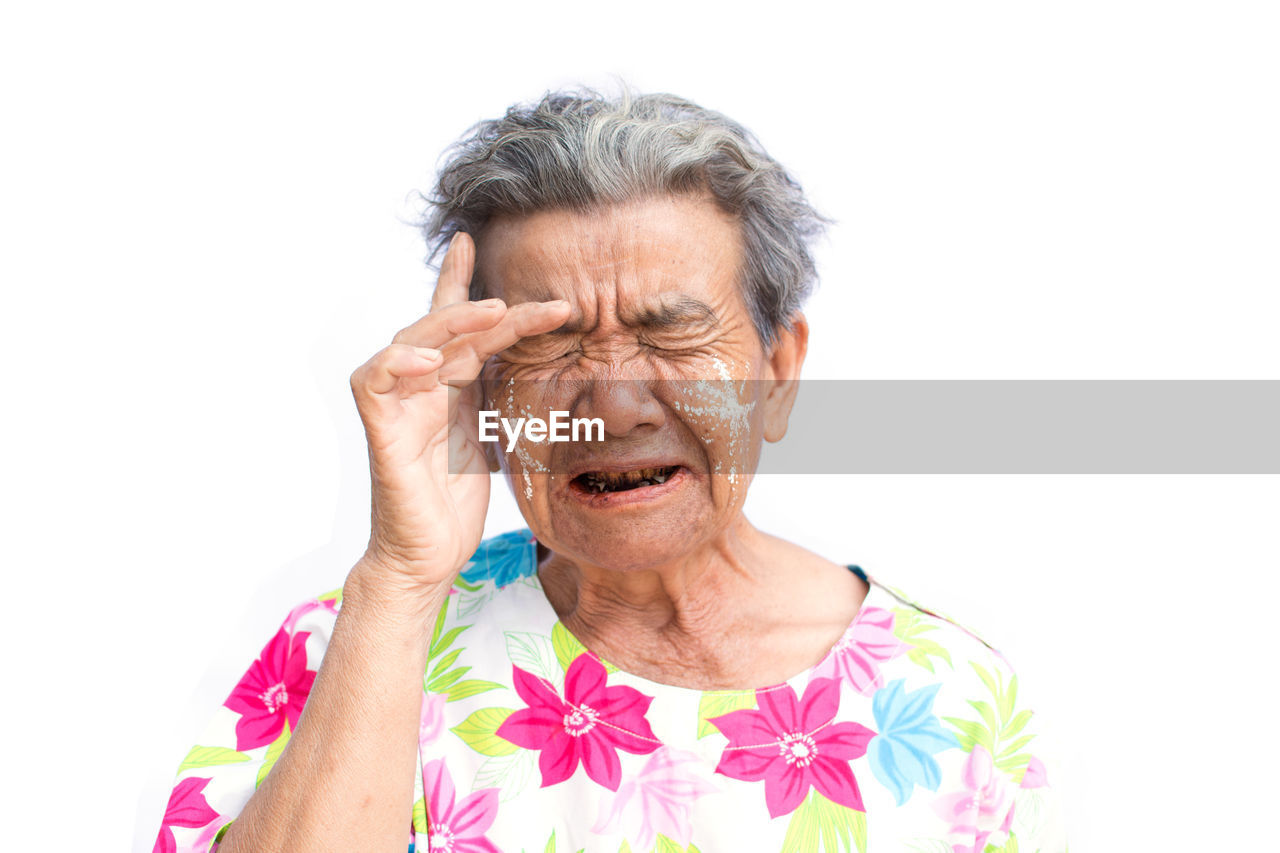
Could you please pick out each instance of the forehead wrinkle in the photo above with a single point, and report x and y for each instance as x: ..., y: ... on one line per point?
x: 609, y: 259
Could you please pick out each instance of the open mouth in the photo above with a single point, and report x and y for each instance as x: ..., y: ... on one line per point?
x: 596, y: 482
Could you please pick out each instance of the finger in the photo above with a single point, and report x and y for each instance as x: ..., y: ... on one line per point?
x: 454, y: 282
x: 440, y: 327
x: 382, y: 373
x: 465, y: 356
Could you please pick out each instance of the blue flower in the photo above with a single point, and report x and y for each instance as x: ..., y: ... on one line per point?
x: 909, y: 734
x: 502, y: 559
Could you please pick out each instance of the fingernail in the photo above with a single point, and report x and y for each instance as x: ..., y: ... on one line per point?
x: 428, y: 353
x: 489, y: 303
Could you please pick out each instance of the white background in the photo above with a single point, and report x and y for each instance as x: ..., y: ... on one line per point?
x: 204, y: 232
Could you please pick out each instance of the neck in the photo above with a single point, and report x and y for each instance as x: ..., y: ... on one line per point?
x: 710, y: 620
x: 680, y: 595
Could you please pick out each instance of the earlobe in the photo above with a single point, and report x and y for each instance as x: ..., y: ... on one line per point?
x: 783, y: 364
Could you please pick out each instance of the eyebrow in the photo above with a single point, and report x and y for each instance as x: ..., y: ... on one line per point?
x: 682, y: 311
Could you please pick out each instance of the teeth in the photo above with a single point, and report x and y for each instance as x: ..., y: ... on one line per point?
x: 605, y: 481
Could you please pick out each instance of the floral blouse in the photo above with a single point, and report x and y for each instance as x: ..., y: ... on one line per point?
x: 909, y: 735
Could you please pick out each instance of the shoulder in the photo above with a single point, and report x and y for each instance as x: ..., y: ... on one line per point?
x: 976, y: 690
x: 929, y: 636
x: 942, y: 692
x: 968, y: 672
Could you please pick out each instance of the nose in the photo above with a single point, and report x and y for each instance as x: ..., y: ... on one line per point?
x: 624, y: 398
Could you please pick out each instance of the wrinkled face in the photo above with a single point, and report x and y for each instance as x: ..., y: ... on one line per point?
x: 656, y: 347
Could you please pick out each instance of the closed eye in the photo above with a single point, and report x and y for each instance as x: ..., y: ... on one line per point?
x: 678, y: 341
x: 541, y: 349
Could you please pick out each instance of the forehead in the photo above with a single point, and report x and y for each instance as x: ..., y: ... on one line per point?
x: 667, y: 244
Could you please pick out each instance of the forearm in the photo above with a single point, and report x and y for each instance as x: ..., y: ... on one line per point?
x: 345, y: 779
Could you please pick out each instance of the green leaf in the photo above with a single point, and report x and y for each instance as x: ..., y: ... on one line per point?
x: 444, y: 663
x: 534, y: 653
x: 470, y: 687
x: 441, y: 684
x: 461, y: 583
x: 1008, y: 699
x: 987, y: 678
x: 933, y: 649
x: 821, y: 825
x: 666, y: 845
x: 918, y: 657
x: 971, y: 732
x: 988, y: 715
x: 717, y: 703
x: 273, y: 754
x: 211, y: 756
x: 910, y: 628
x: 907, y: 624
x: 479, y: 731
x: 1017, y: 723
x: 511, y: 774
x: 469, y: 603
x: 802, y: 836
x: 566, y: 646
x: 420, y: 816
x: 551, y: 843
x: 335, y: 596
x: 442, y: 643
x: 1012, y: 747
x: 1014, y: 765
x: 436, y: 629
x: 860, y: 830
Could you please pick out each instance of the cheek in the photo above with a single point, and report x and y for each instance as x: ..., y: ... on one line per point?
x: 725, y: 418
x: 525, y: 463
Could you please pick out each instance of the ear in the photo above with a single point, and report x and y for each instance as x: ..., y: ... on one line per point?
x: 782, y: 372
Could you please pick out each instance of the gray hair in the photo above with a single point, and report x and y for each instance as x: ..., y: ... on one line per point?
x: 579, y: 149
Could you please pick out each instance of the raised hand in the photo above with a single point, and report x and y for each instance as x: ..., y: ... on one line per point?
x: 418, y: 399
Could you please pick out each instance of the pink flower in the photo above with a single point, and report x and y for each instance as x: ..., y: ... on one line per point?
x: 272, y: 691
x: 457, y: 827
x: 590, y: 724
x: 1035, y: 776
x: 431, y: 723
x: 858, y: 654
x: 983, y: 807
x: 187, y: 807
x: 657, y: 801
x: 793, y: 746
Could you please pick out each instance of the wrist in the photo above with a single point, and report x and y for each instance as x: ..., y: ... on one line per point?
x: 376, y: 590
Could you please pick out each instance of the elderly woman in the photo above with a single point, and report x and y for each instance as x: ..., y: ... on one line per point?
x: 642, y: 669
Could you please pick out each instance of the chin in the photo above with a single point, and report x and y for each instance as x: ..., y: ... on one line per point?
x: 630, y: 542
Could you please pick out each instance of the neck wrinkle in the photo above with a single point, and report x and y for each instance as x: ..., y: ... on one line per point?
x: 674, y: 612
